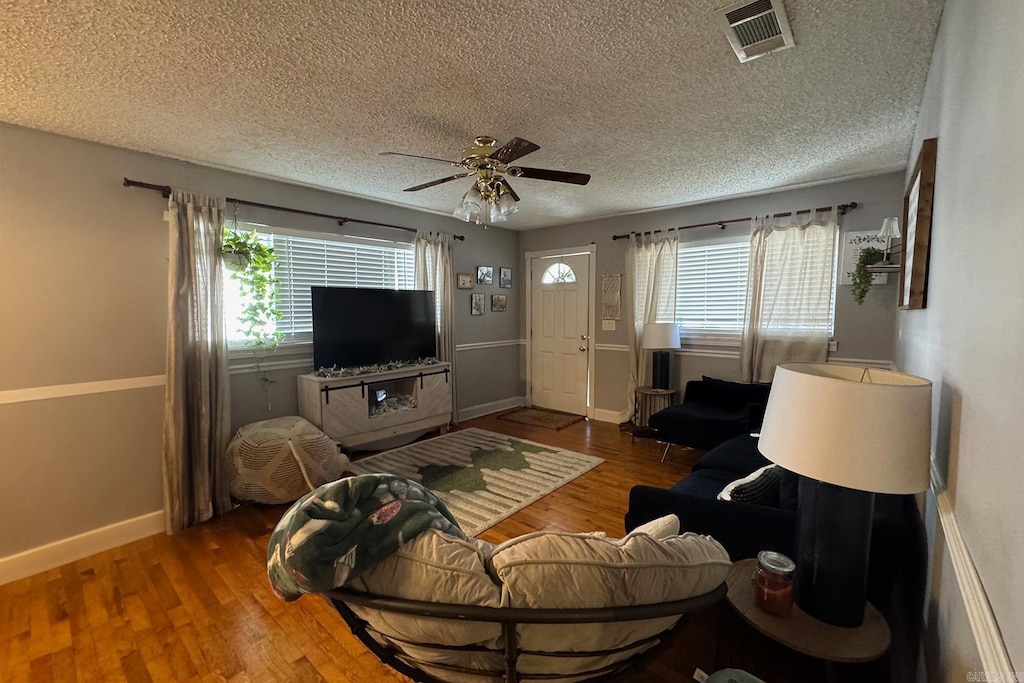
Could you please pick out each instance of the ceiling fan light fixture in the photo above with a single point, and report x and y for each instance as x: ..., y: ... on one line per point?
x: 495, y: 214
x: 506, y: 206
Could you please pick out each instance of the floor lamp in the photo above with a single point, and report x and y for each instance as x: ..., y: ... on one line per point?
x: 851, y: 432
x: 658, y: 337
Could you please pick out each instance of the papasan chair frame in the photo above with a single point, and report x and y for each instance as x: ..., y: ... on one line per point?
x: 509, y: 618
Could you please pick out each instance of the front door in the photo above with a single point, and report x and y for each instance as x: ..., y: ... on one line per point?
x: 560, y: 312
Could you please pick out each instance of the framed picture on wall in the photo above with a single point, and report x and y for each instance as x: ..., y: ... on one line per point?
x: 476, y: 304
x: 505, y: 278
x: 484, y: 275
x: 499, y: 302
x: 464, y: 281
x: 917, y: 221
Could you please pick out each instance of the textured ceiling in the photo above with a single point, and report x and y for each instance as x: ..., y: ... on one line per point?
x: 645, y: 95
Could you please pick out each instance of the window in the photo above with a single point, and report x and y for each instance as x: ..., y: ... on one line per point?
x: 336, y: 262
x: 711, y: 290
x: 557, y: 273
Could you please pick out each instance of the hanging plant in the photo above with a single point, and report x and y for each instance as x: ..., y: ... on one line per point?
x: 862, y: 278
x: 251, y: 263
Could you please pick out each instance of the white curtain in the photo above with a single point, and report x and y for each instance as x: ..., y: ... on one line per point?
x: 789, y: 292
x: 197, y: 403
x: 651, y: 271
x: 434, y: 272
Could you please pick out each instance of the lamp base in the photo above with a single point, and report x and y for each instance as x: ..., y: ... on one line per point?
x: 661, y: 370
x: 832, y: 548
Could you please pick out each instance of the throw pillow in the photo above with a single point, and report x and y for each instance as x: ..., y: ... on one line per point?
x: 660, y: 528
x: 760, y: 487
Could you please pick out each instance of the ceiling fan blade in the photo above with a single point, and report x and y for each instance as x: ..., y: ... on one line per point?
x: 417, y: 156
x: 557, y: 176
x: 514, y: 149
x: 508, y: 187
x: 435, y: 182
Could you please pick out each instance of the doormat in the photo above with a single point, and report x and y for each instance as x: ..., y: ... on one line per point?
x: 482, y: 477
x: 541, y: 417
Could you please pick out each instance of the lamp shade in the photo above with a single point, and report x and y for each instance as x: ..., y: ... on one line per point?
x: 862, y: 428
x: 661, y: 336
x: 890, y: 227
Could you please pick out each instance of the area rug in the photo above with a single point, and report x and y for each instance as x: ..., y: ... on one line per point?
x: 539, y: 417
x: 482, y: 477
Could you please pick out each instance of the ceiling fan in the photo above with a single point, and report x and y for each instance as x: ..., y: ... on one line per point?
x: 492, y: 198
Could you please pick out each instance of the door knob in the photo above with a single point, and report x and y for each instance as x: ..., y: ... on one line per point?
x: 583, y: 337
x: 583, y: 348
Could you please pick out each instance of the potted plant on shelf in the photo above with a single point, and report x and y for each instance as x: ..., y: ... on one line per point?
x: 861, y: 277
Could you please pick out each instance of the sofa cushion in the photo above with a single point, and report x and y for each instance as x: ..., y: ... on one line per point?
x: 789, y: 490
x: 704, y: 483
x: 760, y: 487
x: 735, y: 394
x: 557, y: 570
x: 738, y: 455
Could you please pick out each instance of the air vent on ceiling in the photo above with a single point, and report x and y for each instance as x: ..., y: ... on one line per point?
x: 756, y: 28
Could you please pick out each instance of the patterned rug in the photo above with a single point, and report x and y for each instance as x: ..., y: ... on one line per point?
x: 540, y: 417
x: 482, y: 477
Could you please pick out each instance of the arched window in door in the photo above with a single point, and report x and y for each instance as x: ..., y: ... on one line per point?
x: 558, y: 273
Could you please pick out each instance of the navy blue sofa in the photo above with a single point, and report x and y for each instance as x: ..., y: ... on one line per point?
x: 745, y: 529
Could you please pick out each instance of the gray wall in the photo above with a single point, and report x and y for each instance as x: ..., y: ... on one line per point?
x: 85, y: 287
x: 967, y: 341
x: 863, y: 332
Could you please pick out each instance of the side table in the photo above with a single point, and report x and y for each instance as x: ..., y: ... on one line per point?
x: 647, y: 401
x: 804, y: 633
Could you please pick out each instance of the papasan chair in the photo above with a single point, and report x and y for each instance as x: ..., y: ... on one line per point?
x: 437, y: 606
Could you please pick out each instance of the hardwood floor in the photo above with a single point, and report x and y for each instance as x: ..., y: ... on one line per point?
x: 197, y: 606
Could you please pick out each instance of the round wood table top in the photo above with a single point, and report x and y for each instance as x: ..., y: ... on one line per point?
x: 802, y: 632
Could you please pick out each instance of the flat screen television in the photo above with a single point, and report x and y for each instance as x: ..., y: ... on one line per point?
x: 354, y: 327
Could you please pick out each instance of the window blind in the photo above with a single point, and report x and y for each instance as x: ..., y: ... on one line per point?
x: 303, y: 262
x: 711, y: 290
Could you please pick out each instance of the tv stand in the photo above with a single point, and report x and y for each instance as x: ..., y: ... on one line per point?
x: 362, y: 409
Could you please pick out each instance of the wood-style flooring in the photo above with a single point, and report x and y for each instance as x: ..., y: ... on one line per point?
x: 197, y: 606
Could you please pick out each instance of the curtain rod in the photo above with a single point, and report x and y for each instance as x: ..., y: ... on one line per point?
x: 165, y: 190
x: 843, y: 208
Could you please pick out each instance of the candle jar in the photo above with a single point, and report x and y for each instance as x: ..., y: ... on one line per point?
x: 773, y: 583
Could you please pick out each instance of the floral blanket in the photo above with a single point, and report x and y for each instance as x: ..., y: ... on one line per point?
x: 343, y: 528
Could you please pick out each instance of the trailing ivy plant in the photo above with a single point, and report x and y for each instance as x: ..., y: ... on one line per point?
x: 251, y: 263
x: 862, y: 279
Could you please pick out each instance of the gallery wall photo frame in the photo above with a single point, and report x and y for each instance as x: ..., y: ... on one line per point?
x: 476, y: 304
x: 499, y: 302
x: 484, y: 275
x: 505, y: 278
x: 917, y: 222
x: 464, y: 281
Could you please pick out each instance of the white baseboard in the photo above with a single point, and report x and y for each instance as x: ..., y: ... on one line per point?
x: 46, y: 557
x: 482, y: 409
x: 613, y: 416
